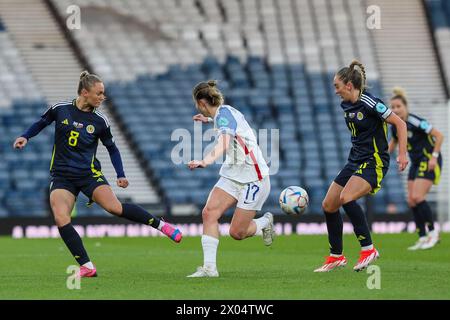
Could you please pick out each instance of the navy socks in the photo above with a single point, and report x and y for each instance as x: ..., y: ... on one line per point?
x: 359, y: 221
x: 420, y: 222
x: 427, y: 216
x: 335, y: 228
x: 73, y: 241
x: 137, y: 214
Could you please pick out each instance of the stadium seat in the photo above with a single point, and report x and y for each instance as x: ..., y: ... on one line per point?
x: 273, y: 85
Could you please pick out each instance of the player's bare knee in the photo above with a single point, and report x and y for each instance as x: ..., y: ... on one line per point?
x: 411, y: 202
x: 328, y: 206
x: 114, y: 209
x: 417, y: 198
x: 61, y: 219
x: 208, y: 215
x: 345, y: 198
x: 237, y: 234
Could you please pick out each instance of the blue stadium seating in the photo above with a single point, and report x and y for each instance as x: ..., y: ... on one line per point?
x: 279, y: 96
x: 440, y: 13
x: 314, y: 139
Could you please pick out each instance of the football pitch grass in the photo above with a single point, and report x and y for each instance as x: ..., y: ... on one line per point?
x: 156, y: 268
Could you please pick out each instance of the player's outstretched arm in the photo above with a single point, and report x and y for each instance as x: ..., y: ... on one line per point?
x: 392, y: 145
x: 117, y: 163
x: 20, y: 143
x: 202, y: 118
x: 221, y: 147
x: 402, y: 136
x: 439, y: 138
x: 32, y: 131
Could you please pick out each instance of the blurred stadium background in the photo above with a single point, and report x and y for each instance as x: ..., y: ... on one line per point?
x: 274, y: 59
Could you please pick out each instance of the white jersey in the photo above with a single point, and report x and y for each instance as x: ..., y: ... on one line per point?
x: 244, y: 161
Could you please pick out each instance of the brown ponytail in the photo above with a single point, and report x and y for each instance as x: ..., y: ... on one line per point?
x: 208, y: 90
x: 355, y: 76
x: 87, y: 80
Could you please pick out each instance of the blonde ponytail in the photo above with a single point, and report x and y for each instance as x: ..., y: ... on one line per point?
x: 399, y: 93
x: 87, y: 80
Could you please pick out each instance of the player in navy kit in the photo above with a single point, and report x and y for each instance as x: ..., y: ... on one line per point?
x: 368, y: 162
x: 74, y: 168
x: 424, y: 149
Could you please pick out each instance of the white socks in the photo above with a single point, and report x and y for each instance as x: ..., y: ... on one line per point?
x: 209, y: 245
x: 161, y: 224
x: 89, y: 265
x: 261, y: 223
x: 367, y: 247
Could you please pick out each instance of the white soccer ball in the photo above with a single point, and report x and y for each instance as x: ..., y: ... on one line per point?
x: 294, y: 200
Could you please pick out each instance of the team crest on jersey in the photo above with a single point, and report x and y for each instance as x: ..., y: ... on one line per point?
x: 78, y: 125
x: 410, y: 134
x: 424, y: 124
x: 360, y: 116
x: 66, y: 122
x: 351, y: 115
x: 381, y: 108
x: 223, y: 122
x: 90, y: 128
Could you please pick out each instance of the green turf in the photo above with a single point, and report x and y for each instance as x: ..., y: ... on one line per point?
x: 156, y: 268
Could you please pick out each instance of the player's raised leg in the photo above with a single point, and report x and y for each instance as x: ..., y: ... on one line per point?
x: 218, y: 202
x: 334, y: 221
x: 356, y: 188
x: 62, y: 202
x: 242, y: 225
x: 105, y: 197
x: 252, y: 197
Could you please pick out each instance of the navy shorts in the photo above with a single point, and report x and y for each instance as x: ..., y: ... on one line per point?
x: 86, y: 184
x: 420, y: 170
x: 369, y: 171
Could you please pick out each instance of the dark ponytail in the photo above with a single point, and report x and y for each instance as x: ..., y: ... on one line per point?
x: 355, y: 76
x: 208, y: 90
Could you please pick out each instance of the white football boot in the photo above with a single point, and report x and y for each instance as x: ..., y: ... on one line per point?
x: 419, y: 243
x: 204, y: 272
x: 432, y: 240
x: 268, y: 233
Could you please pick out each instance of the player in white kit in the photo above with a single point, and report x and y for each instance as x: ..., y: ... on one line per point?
x: 244, y: 177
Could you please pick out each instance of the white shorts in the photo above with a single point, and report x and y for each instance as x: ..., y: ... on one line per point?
x: 250, y: 196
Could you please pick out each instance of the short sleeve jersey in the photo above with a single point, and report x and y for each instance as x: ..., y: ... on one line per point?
x: 420, y: 141
x: 76, y: 139
x: 366, y: 121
